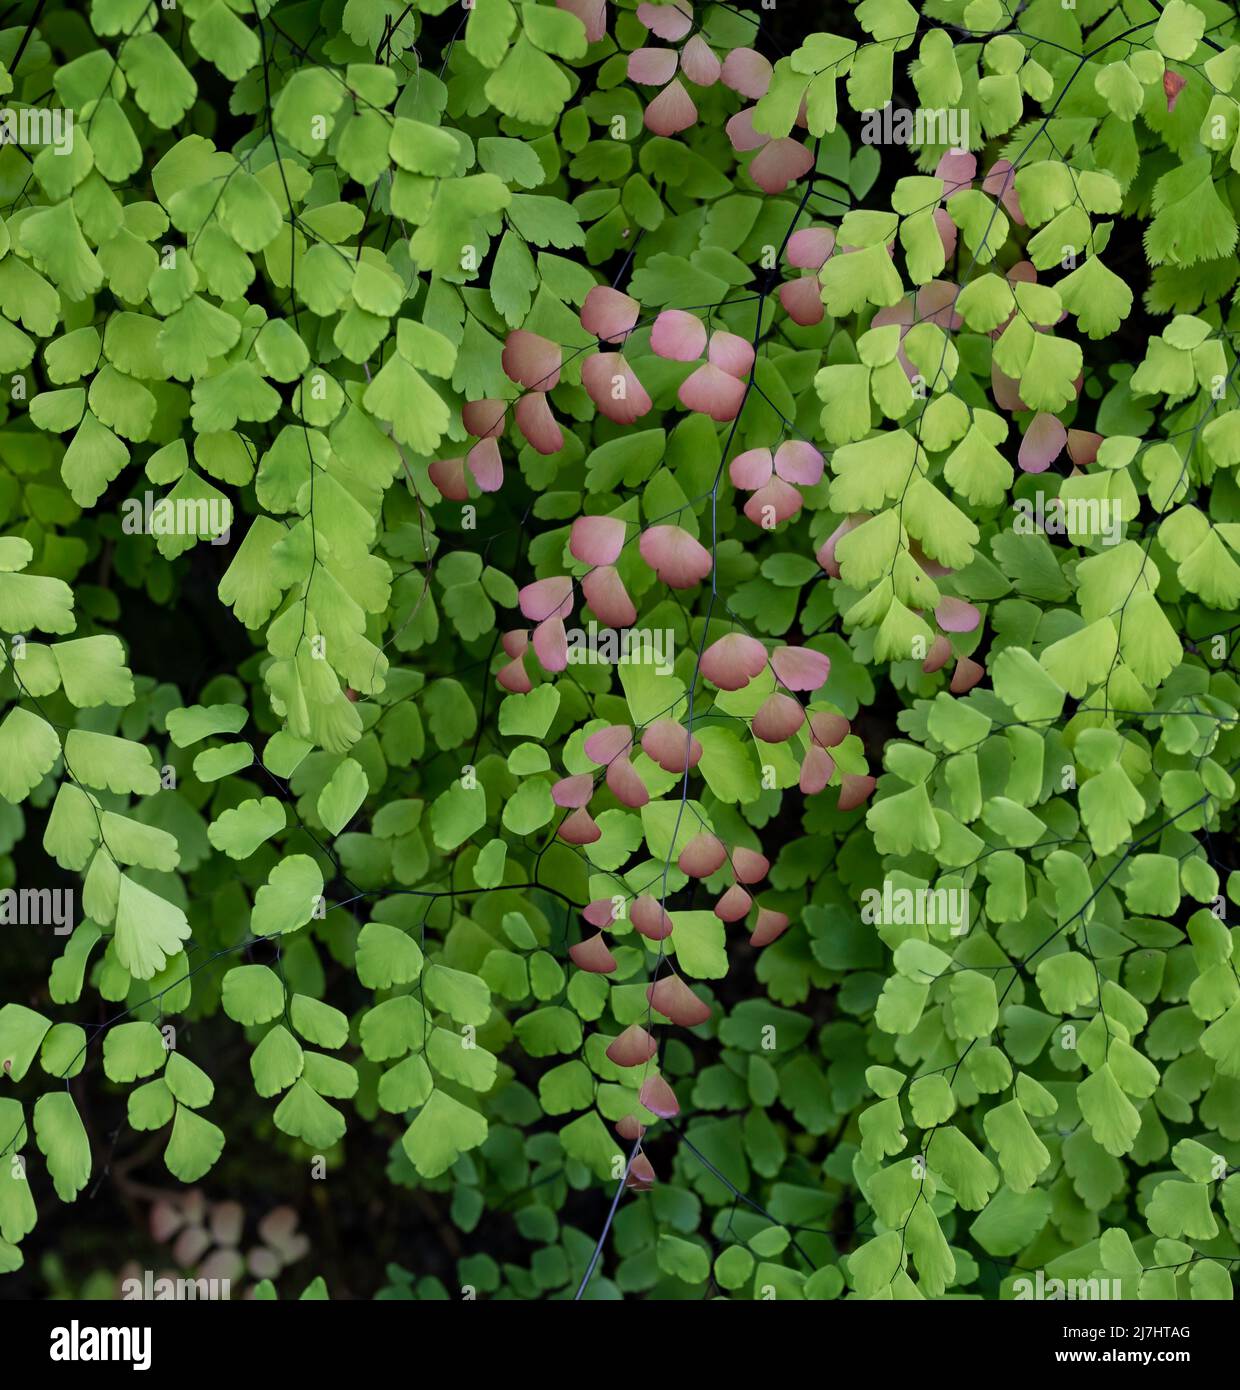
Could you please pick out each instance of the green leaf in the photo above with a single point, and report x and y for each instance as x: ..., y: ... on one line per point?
x: 305, y: 1115
x: 442, y: 1131
x: 22, y: 1031
x: 276, y: 1062
x: 194, y: 1146
x: 188, y: 1082
x: 342, y: 796
x: 318, y: 1022
x: 252, y: 994
x: 464, y: 997
x: 133, y: 1050
x: 528, y: 85
x: 386, y: 956
x: 1191, y: 223
x: 1112, y: 1118
x: 28, y: 751
x: 698, y: 938
x: 290, y: 897
x: 239, y: 832
x: 148, y: 930
x: 457, y: 815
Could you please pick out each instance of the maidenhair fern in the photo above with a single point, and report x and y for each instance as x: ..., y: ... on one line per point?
x: 623, y: 643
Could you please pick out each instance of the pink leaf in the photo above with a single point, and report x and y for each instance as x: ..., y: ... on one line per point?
x: 551, y: 644
x: 649, y: 918
x: 669, y: 22
x: 699, y: 63
x: 1083, y: 446
x: 936, y: 302
x: 641, y: 1176
x: 628, y: 1128
x: 947, y: 230
x: 659, y: 1098
x: 675, y: 556
x: 771, y: 924
x: 606, y: 594
x: 597, y: 540
x: 955, y: 615
x: 938, y: 656
x: 779, y: 164
x: 625, y: 783
x: 545, y: 598
x: 778, y: 718
x: 817, y: 769
x: 1042, y: 444
x: 608, y: 314
x: 731, y: 352
x: 1000, y: 182
x: 702, y: 856
x: 538, y: 425
x: 633, y: 1047
x: 678, y: 336
x: 746, y: 71
x: 448, y: 475
x: 712, y: 392
x: 652, y: 67
x: 531, y: 361
x: 578, y: 828
x: 599, y: 912
x: 900, y: 312
x: 966, y: 676
x: 826, y: 551
x: 931, y: 567
x: 741, y: 132
x: 513, y: 677
x: 802, y: 300
x: 571, y: 792
x: 484, y: 417
x: 855, y: 791
x: 957, y: 169
x: 733, y: 661
x: 672, y: 998
x: 811, y: 247
x: 748, y: 865
x: 1006, y: 391
x: 485, y: 464
x: 798, y: 462
x: 734, y: 904
x: 612, y: 742
x: 614, y: 389
x: 800, y: 668
x: 594, y: 956
x: 671, y: 111
x: 752, y: 469
x: 828, y: 729
x: 668, y: 744
x: 592, y: 13
x: 773, y: 503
